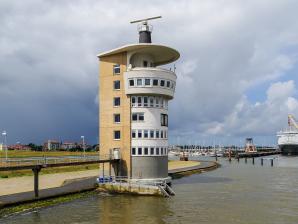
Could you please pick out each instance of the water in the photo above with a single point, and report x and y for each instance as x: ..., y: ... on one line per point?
x: 234, y: 193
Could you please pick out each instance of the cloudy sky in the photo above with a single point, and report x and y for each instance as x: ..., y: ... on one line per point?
x: 237, y: 75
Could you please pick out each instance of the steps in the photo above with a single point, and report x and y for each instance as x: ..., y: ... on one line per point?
x: 166, y: 190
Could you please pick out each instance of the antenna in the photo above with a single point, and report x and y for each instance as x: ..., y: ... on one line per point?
x: 145, y: 29
x: 146, y: 19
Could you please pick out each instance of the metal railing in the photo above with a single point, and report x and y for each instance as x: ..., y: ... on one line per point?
x: 45, y: 160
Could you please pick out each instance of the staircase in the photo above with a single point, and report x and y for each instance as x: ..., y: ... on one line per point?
x: 166, y: 190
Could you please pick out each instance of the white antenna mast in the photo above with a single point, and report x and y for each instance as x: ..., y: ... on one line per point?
x: 145, y: 29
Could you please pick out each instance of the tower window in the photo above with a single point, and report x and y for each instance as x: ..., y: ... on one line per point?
x: 155, y: 82
x: 137, y: 116
x: 139, y: 101
x: 139, y: 82
x: 161, y: 134
x: 151, y: 133
x: 164, y: 120
x: 116, y: 101
x: 162, y: 82
x: 145, y: 101
x: 157, y: 134
x: 117, y: 118
x: 139, y: 133
x: 168, y: 84
x: 146, y: 134
x: 133, y: 134
x: 133, y: 101
x: 133, y: 151
x: 140, y: 151
x: 147, y: 82
x: 146, y: 151
x: 116, y: 69
x: 151, y: 101
x: 117, y: 135
x: 157, y: 151
x: 131, y: 82
x: 152, y: 151
x: 161, y: 151
x: 145, y: 63
x: 117, y: 85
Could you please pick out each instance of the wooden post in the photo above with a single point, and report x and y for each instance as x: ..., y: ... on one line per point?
x: 238, y: 159
x: 245, y: 159
x: 262, y: 161
x: 36, y: 170
x: 253, y: 160
x: 215, y: 156
x: 271, y: 162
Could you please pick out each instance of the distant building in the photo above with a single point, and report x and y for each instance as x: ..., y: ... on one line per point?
x: 69, y: 145
x: 52, y: 145
x: 249, y: 146
x: 19, y: 147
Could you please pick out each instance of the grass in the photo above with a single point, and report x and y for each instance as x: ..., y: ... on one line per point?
x: 20, y: 173
x: 23, y: 154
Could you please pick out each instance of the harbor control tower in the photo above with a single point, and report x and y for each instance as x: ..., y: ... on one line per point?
x: 133, y: 102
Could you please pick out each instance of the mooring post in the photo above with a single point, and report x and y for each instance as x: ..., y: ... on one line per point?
x: 262, y: 161
x: 253, y: 160
x: 215, y: 157
x: 271, y: 162
x: 245, y: 159
x: 238, y: 159
x: 36, y: 170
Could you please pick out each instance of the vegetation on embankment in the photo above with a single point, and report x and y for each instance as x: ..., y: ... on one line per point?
x: 24, y: 154
x: 6, y: 211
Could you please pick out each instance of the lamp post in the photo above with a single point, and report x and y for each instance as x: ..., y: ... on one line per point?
x: 83, y: 138
x: 4, y: 134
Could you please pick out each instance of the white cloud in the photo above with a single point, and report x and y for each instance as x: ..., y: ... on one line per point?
x: 49, y: 71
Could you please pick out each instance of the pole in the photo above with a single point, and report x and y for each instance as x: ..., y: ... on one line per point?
x: 262, y: 161
x: 36, y: 170
x: 84, y: 147
x: 5, y: 142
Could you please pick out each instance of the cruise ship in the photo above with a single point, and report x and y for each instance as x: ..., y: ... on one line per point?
x: 288, y: 139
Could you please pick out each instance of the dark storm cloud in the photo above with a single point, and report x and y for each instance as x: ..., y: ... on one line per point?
x: 49, y: 69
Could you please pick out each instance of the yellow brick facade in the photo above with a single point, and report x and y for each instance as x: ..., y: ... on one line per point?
x: 107, y: 111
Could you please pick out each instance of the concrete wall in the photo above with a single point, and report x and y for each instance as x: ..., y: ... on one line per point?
x: 150, y: 167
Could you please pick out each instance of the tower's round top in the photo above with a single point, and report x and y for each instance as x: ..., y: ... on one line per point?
x: 162, y: 54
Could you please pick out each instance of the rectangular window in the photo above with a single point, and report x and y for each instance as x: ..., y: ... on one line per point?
x: 140, y: 134
x: 133, y: 101
x: 146, y: 133
x: 151, y: 133
x: 139, y: 101
x: 152, y: 151
x: 151, y: 99
x: 116, y: 101
x: 141, y: 116
x: 137, y: 116
x: 131, y: 82
x: 168, y: 84
x: 133, y: 133
x: 145, y: 63
x: 161, y: 102
x: 157, y: 134
x: 116, y: 118
x: 140, y: 151
x: 166, y: 134
x: 147, y: 82
x: 157, y: 102
x: 161, y: 133
x: 133, y: 151
x: 155, y: 82
x: 117, y: 85
x: 116, y: 69
x: 146, y: 151
x: 164, y: 120
x: 117, y: 135
x: 139, y: 82
x: 162, y: 83
x: 157, y: 151
x: 145, y: 101
x: 161, y: 151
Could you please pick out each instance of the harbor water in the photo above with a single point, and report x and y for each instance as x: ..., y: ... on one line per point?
x: 234, y: 193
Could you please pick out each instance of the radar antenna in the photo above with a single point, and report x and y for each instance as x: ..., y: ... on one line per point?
x: 145, y: 29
